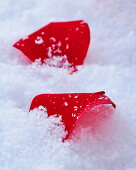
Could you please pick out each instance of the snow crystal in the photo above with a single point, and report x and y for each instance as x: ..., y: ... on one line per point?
x: 65, y: 103
x: 39, y: 40
x: 67, y: 46
x: 43, y: 108
x: 30, y: 141
x: 57, y: 61
x: 75, y: 108
x: 49, y: 52
x: 59, y: 44
x: 76, y: 97
x: 53, y: 39
x: 73, y: 115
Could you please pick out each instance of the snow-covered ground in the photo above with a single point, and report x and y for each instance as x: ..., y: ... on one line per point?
x: 31, y: 142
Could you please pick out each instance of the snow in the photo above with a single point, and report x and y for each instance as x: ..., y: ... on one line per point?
x: 65, y: 103
x: 39, y: 40
x: 29, y: 141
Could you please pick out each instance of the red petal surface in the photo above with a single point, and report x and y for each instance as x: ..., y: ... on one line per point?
x: 68, y: 41
x: 71, y: 106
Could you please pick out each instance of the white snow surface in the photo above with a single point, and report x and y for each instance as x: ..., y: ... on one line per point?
x: 32, y: 142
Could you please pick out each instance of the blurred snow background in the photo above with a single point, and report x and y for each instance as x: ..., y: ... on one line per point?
x: 28, y: 142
